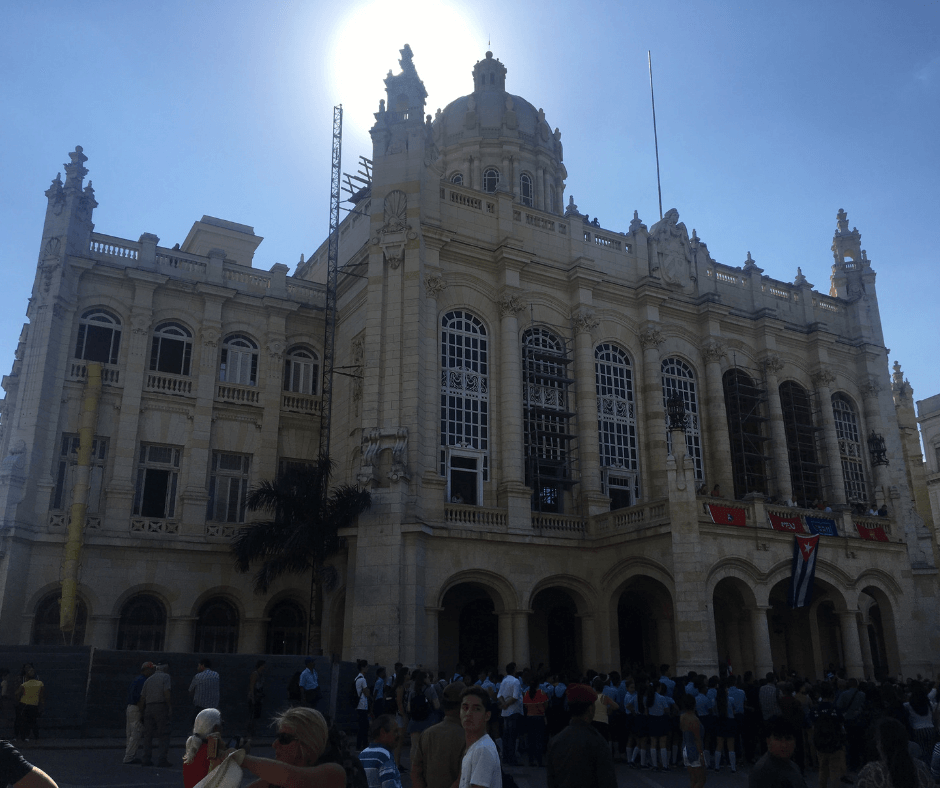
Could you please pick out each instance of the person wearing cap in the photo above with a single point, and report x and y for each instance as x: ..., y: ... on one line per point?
x: 310, y: 683
x: 579, y: 757
x: 135, y: 726
x: 435, y: 759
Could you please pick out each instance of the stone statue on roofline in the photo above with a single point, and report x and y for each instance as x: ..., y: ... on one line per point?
x: 671, y: 256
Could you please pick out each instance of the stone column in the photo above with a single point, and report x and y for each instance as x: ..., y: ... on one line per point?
x: 653, y: 466
x: 783, y: 484
x: 823, y: 380
x: 505, y: 645
x: 252, y: 635
x: 851, y: 647
x: 588, y: 641
x: 665, y: 640
x: 595, y: 501
x: 521, y: 637
x: 867, y: 660
x: 763, y: 659
x: 871, y: 389
x: 180, y: 632
x: 717, y: 441
x: 512, y: 491
x: 433, y: 617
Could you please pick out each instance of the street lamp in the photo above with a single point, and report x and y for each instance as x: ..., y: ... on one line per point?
x: 675, y: 410
x: 877, y: 450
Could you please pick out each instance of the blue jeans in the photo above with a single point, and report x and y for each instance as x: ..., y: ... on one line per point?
x: 511, y: 730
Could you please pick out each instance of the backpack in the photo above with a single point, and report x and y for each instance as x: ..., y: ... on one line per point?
x: 293, y: 687
x: 828, y: 735
x: 419, y: 707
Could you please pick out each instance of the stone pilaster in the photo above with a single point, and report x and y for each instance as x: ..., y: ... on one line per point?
x: 851, y: 646
x: 718, y: 441
x: 653, y: 475
x: 783, y: 484
x: 588, y: 447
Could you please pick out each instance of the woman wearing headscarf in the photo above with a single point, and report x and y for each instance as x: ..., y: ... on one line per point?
x: 895, y: 767
x: 204, y: 749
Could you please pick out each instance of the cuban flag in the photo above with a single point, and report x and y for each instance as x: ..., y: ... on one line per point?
x: 804, y: 570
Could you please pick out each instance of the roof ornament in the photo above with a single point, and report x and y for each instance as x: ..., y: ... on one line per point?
x: 800, y: 280
x: 636, y: 225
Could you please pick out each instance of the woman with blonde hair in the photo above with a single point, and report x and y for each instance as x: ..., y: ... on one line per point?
x: 302, y: 736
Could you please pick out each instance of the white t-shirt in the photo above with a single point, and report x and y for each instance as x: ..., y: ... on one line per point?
x: 510, y: 688
x: 480, y: 765
x: 361, y: 692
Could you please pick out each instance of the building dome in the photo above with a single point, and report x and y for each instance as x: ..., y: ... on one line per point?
x: 490, y: 128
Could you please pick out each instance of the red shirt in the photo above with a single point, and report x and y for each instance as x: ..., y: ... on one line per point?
x: 535, y: 706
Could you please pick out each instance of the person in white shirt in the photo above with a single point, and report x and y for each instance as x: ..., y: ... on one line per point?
x: 362, y: 706
x: 509, y: 699
x: 480, y: 765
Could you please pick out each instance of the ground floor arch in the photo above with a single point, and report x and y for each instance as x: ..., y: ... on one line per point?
x: 556, y: 638
x: 733, y: 605
x: 879, y: 640
x: 643, y: 613
x: 468, y: 628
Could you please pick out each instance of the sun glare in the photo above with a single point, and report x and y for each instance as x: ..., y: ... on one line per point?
x: 445, y: 39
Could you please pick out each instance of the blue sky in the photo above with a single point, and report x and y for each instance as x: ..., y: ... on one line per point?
x: 771, y: 117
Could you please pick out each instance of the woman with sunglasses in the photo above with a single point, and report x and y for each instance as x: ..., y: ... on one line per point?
x: 301, y: 739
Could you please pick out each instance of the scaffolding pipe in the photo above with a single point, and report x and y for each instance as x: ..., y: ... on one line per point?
x: 71, y: 555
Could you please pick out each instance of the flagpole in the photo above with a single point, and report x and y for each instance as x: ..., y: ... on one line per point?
x: 659, y: 187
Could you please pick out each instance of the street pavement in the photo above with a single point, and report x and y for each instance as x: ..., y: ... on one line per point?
x: 96, y: 763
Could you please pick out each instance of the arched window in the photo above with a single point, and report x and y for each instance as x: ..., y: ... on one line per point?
x: 798, y: 426
x: 464, y: 406
x: 552, y: 200
x: 743, y: 400
x: 142, y: 626
x: 287, y: 629
x: 46, y: 630
x: 490, y: 179
x: 525, y: 189
x: 216, y: 628
x: 301, y: 371
x: 678, y: 377
x: 546, y: 416
x: 172, y: 349
x: 239, y: 362
x: 850, y: 448
x: 616, y: 426
x: 99, y: 337
x: 457, y: 179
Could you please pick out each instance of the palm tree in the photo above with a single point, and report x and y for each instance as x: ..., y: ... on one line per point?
x: 304, y: 529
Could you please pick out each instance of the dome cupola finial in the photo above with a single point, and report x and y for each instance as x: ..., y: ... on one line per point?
x: 489, y: 75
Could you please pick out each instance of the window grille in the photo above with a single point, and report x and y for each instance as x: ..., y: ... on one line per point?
x: 490, y: 179
x: 99, y: 337
x: 800, y: 430
x: 850, y: 448
x: 678, y: 377
x: 616, y: 425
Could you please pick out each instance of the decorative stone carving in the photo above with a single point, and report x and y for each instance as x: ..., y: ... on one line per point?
x: 635, y: 224
x: 584, y: 321
x: 15, y: 461
x: 210, y: 337
x: 870, y: 388
x: 376, y: 441
x: 140, y: 324
x: 275, y: 349
x: 395, y: 232
x: 511, y: 305
x: 714, y: 351
x: 358, y: 353
x: 672, y: 257
x: 434, y: 285
x: 50, y: 251
x: 651, y: 337
x: 772, y: 363
x: 399, y: 456
x: 823, y: 378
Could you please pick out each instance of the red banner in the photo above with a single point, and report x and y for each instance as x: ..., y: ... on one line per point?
x: 874, y: 534
x: 792, y: 524
x: 727, y: 515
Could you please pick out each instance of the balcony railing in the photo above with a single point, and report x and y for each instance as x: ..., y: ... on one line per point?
x: 154, y: 525
x: 301, y: 403
x: 475, y: 516
x: 241, y: 395
x: 169, y: 384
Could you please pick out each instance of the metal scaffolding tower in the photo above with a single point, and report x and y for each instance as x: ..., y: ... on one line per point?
x: 332, y: 274
x: 744, y: 397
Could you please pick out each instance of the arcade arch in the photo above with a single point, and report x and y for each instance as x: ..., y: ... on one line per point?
x: 643, y: 616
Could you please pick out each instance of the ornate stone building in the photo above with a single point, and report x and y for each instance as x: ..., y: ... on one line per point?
x: 509, y: 365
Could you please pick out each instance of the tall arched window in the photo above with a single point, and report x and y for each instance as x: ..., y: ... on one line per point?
x: 464, y: 406
x: 526, y: 191
x: 142, y: 626
x: 801, y: 442
x: 490, y: 179
x: 743, y: 401
x: 239, y: 363
x: 679, y: 377
x: 616, y: 426
x: 287, y: 629
x: 850, y: 448
x: 216, y: 628
x: 46, y: 630
x: 172, y: 349
x: 301, y: 371
x: 99, y: 337
x: 547, y: 416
